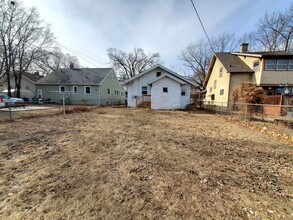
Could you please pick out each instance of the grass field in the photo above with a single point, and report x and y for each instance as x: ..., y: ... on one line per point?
x: 117, y: 163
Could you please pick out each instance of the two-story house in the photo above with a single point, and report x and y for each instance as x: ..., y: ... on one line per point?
x: 271, y: 70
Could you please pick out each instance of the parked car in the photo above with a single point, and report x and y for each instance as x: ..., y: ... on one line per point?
x: 2, y: 104
x: 12, y: 101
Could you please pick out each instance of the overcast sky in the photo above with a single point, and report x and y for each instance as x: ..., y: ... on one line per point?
x: 164, y: 26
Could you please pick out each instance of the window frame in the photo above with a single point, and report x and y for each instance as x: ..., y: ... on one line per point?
x: 222, y: 91
x: 183, y: 90
x: 221, y: 72
x: 254, y: 64
x: 167, y: 90
x: 215, y: 84
x: 286, y: 64
x: 144, y: 91
x: 85, y: 92
x: 158, y: 74
x: 109, y: 92
x: 73, y: 89
x: 60, y: 90
x: 274, y: 65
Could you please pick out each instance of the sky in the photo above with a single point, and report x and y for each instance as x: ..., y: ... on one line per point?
x: 90, y: 27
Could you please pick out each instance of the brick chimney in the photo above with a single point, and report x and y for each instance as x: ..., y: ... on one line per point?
x: 244, y: 48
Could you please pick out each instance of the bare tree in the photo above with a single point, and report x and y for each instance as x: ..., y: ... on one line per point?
x: 225, y: 42
x: 132, y: 63
x: 196, y: 57
x: 275, y: 31
x: 23, y: 38
x: 54, y: 59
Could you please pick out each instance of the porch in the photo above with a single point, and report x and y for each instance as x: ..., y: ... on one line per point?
x: 143, y: 101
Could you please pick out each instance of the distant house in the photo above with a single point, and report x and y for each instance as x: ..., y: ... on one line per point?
x: 93, y: 86
x: 160, y: 88
x: 273, y: 71
x: 28, y: 85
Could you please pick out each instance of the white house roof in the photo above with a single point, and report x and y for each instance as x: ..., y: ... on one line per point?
x: 176, y: 75
x: 169, y: 76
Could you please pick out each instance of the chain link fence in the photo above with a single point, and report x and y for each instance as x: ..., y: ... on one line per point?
x: 39, y: 108
x: 248, y: 111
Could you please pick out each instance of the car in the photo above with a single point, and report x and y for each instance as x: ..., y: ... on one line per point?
x: 2, y: 104
x: 11, y: 101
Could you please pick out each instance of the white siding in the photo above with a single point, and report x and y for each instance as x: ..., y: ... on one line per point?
x: 134, y: 88
x: 166, y: 100
x: 172, y: 100
x: 185, y: 99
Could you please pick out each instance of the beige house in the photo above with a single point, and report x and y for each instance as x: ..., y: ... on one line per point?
x: 271, y: 70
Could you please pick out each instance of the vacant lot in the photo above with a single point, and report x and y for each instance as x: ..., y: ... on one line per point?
x: 142, y: 164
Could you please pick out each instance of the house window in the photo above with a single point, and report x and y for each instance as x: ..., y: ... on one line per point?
x: 87, y: 90
x: 221, y: 91
x: 144, y: 90
x: 270, y: 64
x: 282, y: 64
x: 215, y: 84
x: 109, y: 91
x: 211, y: 89
x: 165, y: 89
x: 255, y: 64
x: 183, y: 90
x: 112, y: 77
x: 221, y: 72
x: 74, y: 89
x: 61, y: 88
x: 27, y: 88
x: 290, y: 65
x: 158, y: 74
x: 213, y: 97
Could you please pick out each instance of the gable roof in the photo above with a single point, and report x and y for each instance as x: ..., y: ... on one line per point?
x: 33, y: 77
x: 231, y: 62
x: 76, y: 76
x: 162, y: 67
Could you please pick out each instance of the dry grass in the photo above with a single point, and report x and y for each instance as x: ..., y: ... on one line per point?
x: 135, y: 164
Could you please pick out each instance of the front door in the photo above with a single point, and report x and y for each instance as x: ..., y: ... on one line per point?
x: 39, y: 94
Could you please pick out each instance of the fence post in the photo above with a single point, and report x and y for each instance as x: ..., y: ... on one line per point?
x: 246, y: 105
x: 10, y: 114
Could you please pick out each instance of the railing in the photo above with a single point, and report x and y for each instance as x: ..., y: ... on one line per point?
x: 143, y: 98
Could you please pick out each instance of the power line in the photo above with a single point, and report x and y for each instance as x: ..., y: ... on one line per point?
x: 73, y: 51
x: 202, y: 26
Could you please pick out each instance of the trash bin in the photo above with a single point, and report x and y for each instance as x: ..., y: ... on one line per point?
x: 125, y: 102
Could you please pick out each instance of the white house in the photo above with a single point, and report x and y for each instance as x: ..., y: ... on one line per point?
x: 28, y: 85
x: 159, y: 87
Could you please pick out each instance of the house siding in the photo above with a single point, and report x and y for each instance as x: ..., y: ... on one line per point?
x: 222, y: 83
x: 134, y: 88
x: 166, y: 100
x: 111, y: 81
x: 52, y: 92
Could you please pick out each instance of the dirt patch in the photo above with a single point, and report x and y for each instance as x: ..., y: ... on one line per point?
x: 114, y: 163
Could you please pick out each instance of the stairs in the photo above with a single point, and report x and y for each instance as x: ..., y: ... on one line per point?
x: 144, y: 105
x: 143, y: 101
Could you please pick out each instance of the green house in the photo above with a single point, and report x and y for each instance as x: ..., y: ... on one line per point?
x: 91, y: 86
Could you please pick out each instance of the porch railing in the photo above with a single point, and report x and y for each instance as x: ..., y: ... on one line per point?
x: 142, y: 99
